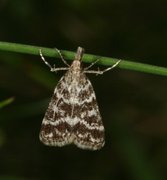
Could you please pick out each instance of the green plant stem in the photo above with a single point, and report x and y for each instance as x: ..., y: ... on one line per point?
x: 106, y: 61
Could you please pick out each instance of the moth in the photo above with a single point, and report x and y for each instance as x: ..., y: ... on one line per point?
x: 73, y: 115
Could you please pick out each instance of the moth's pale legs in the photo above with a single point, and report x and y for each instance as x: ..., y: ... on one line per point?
x: 85, y: 69
x: 101, y: 71
x: 52, y: 69
x: 62, y: 58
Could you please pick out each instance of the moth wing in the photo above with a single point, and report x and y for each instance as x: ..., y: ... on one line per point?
x: 89, y: 131
x: 54, y: 130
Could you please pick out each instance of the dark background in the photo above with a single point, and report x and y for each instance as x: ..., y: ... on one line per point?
x: 133, y: 104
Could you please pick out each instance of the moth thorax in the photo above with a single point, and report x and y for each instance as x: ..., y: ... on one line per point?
x: 76, y: 67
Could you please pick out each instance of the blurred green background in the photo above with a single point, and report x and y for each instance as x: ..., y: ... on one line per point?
x: 133, y: 104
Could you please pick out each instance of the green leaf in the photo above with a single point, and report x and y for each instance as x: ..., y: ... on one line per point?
x: 6, y: 102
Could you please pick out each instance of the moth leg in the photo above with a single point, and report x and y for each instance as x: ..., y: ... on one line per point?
x: 52, y: 69
x: 103, y: 71
x: 91, y: 64
x: 62, y: 58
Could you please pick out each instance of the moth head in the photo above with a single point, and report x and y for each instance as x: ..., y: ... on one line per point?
x: 79, y: 54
